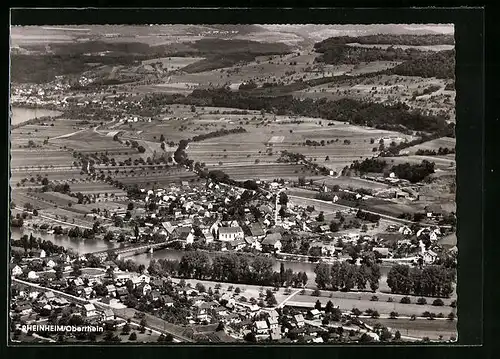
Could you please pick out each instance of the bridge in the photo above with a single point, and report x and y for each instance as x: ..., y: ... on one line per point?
x: 132, y: 250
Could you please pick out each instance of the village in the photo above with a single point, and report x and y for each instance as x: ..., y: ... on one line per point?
x: 220, y: 218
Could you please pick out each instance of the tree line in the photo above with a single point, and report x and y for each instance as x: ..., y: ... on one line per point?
x: 346, y: 276
x: 390, y: 39
x: 218, y: 133
x: 235, y: 268
x: 442, y: 151
x: 429, y: 281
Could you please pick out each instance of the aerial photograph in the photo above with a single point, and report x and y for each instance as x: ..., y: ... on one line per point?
x: 242, y: 184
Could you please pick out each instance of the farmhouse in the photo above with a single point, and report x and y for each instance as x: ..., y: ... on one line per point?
x: 272, y: 242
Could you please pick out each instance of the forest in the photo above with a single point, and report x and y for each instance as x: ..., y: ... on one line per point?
x: 334, y: 54
x: 440, y: 65
x: 390, y: 39
x: 414, y: 172
x: 397, y: 117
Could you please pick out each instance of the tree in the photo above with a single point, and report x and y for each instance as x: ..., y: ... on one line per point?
x: 250, y: 337
x: 200, y: 287
x: 385, y: 335
x: 356, y: 312
x: 438, y: 302
x: 320, y: 217
x: 329, y: 307
x: 405, y: 300
x: 451, y: 316
x: 133, y: 336
x: 126, y: 328
x: 397, y: 335
x: 318, y: 305
x: 59, y: 271
x: 421, y: 301
x: 130, y: 206
x: 393, y: 315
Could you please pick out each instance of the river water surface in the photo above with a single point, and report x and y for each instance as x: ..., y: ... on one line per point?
x: 23, y: 114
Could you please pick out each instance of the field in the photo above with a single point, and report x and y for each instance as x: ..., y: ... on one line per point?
x: 444, y: 142
x: 419, y: 328
x: 442, y: 163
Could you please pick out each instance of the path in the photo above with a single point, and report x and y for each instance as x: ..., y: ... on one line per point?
x: 287, y: 299
x: 67, y: 135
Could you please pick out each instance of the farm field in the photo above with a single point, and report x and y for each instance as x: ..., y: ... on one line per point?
x: 363, y: 302
x: 353, y: 182
x: 419, y: 328
x: 442, y: 163
x: 444, y: 142
x: 265, y: 171
x: 40, y: 159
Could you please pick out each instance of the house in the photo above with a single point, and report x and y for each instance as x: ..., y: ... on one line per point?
x: 24, y: 309
x: 121, y: 293
x: 434, y: 211
x: 275, y: 334
x: 256, y: 231
x: 32, y: 275
x: 260, y: 327
x: 155, y: 295
x: 87, y: 292
x: 167, y: 301
x: 89, y: 310
x: 78, y: 281
x: 227, y: 234
x: 405, y: 230
x: 299, y: 320
x: 51, y: 263
x: 382, y: 251
x: 169, y: 227
x: 111, y: 290
x: 145, y: 288
x: 16, y: 271
x: 273, y: 322
x: 237, y: 244
x: 207, y: 236
x: 313, y: 314
x: 252, y: 242
x: 184, y: 234
x: 324, y: 228
x: 107, y: 314
x: 429, y: 257
x: 49, y: 296
x: 272, y: 242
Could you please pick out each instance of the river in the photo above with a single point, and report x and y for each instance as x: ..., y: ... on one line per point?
x: 23, y: 114
x: 93, y: 245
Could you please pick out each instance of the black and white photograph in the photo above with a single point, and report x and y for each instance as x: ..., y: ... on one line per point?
x: 254, y: 183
